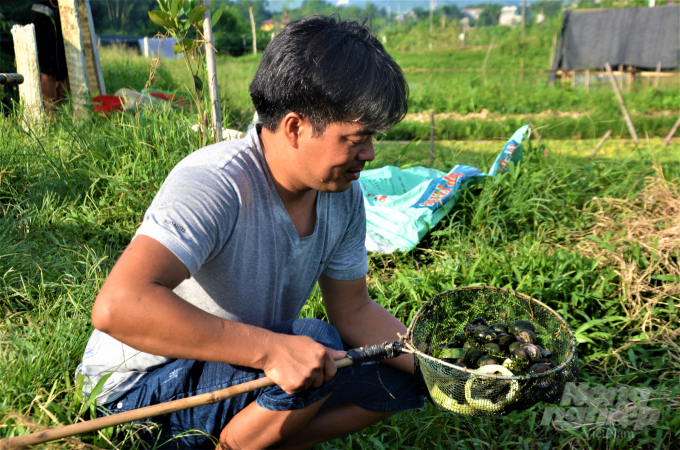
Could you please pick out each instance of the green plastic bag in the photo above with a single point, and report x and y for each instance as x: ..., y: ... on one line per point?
x: 403, y: 205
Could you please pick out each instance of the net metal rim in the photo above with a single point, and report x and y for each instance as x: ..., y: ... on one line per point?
x: 565, y: 326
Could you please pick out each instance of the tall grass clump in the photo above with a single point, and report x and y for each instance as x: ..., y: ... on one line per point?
x: 596, y: 240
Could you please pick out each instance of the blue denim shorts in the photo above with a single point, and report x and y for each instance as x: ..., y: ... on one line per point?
x: 372, y: 386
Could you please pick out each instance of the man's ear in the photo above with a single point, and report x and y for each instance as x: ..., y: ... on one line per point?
x: 294, y: 127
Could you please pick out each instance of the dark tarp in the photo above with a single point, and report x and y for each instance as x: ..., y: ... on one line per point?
x: 638, y: 37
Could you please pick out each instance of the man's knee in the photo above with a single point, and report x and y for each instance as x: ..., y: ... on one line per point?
x: 322, y: 332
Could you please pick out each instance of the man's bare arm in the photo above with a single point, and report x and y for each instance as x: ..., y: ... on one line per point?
x: 138, y: 307
x: 359, y: 320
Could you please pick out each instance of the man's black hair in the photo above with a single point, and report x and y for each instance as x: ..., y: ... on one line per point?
x: 329, y: 70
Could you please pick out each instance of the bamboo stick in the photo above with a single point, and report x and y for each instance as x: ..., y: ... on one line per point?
x: 252, y: 27
x: 143, y: 413
x: 599, y: 144
x: 215, y: 110
x: 672, y: 132
x: 432, y: 136
x: 587, y: 81
x: 486, y: 58
x: 626, y: 117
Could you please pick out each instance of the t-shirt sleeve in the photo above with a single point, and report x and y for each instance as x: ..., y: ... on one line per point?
x: 193, y: 215
x: 349, y: 262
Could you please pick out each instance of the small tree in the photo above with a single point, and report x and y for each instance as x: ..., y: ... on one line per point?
x: 178, y: 19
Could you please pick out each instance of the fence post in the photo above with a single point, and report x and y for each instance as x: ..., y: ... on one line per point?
x: 30, y: 92
x: 215, y: 110
x: 626, y: 117
x: 95, y: 77
x: 75, y: 57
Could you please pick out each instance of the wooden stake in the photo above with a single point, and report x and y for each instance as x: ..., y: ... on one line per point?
x: 521, y: 70
x: 75, y: 57
x: 620, y: 77
x: 587, y: 81
x: 626, y: 117
x: 215, y: 111
x: 599, y: 144
x: 252, y: 27
x: 143, y: 413
x: 30, y: 93
x: 95, y: 78
x: 432, y: 136
x: 658, y: 73
x: 486, y: 58
x: 573, y: 78
x: 672, y: 132
x: 552, y: 51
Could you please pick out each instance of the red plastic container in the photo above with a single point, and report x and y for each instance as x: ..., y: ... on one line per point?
x: 106, y: 104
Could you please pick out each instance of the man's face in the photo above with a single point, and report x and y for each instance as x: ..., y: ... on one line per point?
x: 330, y: 162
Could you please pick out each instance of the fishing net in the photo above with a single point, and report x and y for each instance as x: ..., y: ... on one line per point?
x: 467, y: 391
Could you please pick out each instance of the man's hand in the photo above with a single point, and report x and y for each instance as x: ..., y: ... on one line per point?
x: 297, y: 363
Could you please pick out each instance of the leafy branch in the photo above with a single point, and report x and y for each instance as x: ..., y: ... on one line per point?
x: 178, y: 17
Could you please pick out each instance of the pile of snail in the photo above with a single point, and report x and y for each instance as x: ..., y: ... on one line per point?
x: 513, y: 346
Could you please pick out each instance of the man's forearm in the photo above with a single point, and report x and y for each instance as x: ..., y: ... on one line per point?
x: 159, y: 322
x: 373, y: 324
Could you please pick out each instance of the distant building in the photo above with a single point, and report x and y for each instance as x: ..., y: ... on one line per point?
x: 472, y: 12
x: 512, y: 15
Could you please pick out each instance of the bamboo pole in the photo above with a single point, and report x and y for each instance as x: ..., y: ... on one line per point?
x: 587, y: 81
x: 30, y: 92
x: 215, y: 110
x: 486, y: 58
x: 599, y: 144
x: 626, y: 117
x: 252, y: 27
x: 432, y: 136
x: 552, y: 51
x: 521, y: 70
x: 672, y: 132
x: 620, y: 77
x: 143, y: 413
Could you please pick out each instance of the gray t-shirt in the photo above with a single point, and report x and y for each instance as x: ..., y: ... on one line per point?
x: 219, y: 212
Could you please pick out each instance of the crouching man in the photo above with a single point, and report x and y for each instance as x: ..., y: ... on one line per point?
x: 207, y: 293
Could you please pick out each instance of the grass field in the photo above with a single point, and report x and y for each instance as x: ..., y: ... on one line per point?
x: 596, y: 240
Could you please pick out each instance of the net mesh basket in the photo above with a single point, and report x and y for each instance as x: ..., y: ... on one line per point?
x: 466, y: 391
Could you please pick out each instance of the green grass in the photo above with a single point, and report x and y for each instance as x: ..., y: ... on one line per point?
x: 72, y: 195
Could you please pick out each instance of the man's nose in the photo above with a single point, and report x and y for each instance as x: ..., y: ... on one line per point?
x: 367, y: 153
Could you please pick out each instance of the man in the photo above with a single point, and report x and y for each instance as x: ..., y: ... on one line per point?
x: 232, y: 246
